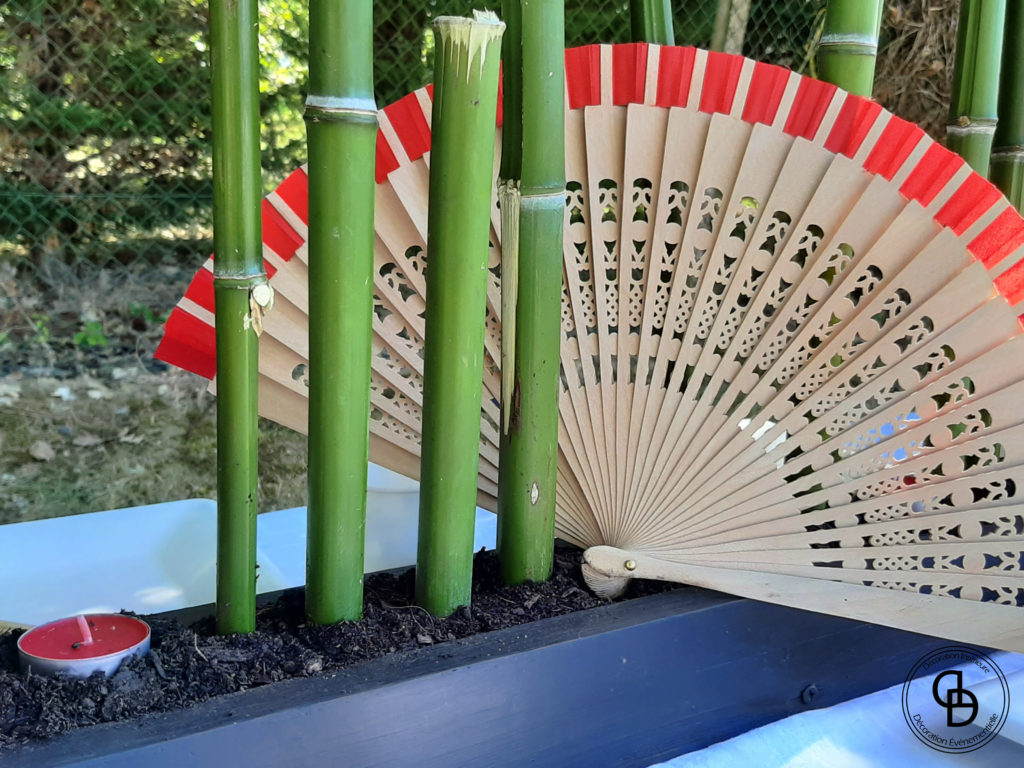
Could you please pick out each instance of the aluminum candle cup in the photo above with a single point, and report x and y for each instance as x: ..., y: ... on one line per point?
x: 81, y: 645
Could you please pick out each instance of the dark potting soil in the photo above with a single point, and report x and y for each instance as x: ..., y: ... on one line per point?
x: 190, y: 664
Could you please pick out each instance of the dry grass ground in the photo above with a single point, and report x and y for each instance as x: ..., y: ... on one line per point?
x: 914, y: 75
x: 87, y: 444
x: 89, y: 420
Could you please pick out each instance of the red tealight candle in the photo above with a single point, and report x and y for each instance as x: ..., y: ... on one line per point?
x: 81, y: 645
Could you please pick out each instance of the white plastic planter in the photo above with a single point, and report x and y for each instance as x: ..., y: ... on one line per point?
x: 162, y: 557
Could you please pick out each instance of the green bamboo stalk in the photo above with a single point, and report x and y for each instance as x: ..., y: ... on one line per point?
x: 341, y: 119
x: 509, y: 177
x: 529, y: 445
x: 721, y: 28
x: 241, y: 293
x: 849, y: 44
x: 1007, y: 170
x: 651, y: 21
x: 974, y: 106
x: 458, y: 227
x: 730, y: 28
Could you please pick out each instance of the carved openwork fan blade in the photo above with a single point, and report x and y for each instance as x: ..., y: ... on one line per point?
x: 791, y: 359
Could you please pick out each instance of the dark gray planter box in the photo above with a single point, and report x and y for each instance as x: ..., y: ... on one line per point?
x: 627, y: 684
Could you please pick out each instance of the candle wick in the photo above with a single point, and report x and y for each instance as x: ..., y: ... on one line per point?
x: 83, y: 628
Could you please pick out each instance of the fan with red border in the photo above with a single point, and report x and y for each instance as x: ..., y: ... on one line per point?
x: 790, y: 355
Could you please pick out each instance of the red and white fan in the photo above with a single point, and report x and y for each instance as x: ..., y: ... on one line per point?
x: 791, y: 367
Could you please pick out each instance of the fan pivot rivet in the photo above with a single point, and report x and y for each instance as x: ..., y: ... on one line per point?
x: 630, y: 565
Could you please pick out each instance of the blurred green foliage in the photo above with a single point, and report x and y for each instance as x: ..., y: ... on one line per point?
x: 105, y: 114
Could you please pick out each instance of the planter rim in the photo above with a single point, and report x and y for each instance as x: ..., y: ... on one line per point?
x: 627, y: 683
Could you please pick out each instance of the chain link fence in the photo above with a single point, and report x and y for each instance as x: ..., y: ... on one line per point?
x: 105, y: 173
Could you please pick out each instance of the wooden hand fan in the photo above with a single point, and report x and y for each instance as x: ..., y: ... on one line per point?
x: 791, y: 364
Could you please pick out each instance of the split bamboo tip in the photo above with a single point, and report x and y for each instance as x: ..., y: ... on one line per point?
x: 465, y: 44
x: 476, y: 32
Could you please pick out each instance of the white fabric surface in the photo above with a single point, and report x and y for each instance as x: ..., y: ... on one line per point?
x: 868, y: 732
